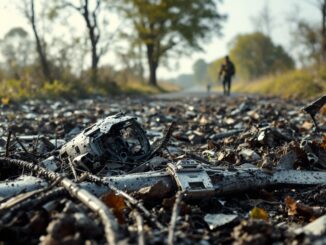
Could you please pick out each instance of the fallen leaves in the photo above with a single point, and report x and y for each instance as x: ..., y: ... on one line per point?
x: 323, y: 143
x: 296, y: 208
x: 258, y: 213
x: 117, y: 204
x: 5, y: 100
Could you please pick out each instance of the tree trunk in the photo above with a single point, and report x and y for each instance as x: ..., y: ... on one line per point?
x: 152, y: 64
x: 39, y: 46
x: 95, y: 60
x: 323, y: 29
x: 92, y: 26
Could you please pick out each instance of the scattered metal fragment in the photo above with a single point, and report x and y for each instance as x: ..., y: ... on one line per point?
x: 316, y: 227
x: 249, y: 155
x: 273, y: 129
x: 117, y: 138
x: 217, y: 220
x: 313, y: 108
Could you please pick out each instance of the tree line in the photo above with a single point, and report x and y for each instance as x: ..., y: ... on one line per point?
x: 256, y: 54
x: 154, y: 29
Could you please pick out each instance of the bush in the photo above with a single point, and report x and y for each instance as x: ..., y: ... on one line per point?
x: 18, y: 89
x: 55, y: 89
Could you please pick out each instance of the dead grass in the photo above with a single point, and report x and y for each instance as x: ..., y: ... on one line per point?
x: 301, y: 83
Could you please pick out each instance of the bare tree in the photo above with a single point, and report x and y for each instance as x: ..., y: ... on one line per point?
x: 29, y: 11
x: 321, y: 4
x: 89, y: 10
x: 264, y: 22
x: 309, y: 38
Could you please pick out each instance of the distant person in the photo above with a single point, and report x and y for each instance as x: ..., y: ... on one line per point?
x: 227, y: 71
x: 209, y: 87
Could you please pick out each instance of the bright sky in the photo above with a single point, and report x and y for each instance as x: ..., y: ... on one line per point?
x: 239, y: 21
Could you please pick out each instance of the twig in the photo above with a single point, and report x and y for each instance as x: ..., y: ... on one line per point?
x: 140, y: 227
x: 174, y: 217
x: 133, y: 201
x: 73, y: 170
x: 313, y: 108
x: 46, y: 196
x: 35, y: 144
x: 8, y: 204
x: 8, y: 143
x: 138, y: 205
x: 165, y: 141
x: 21, y: 144
x: 85, y: 197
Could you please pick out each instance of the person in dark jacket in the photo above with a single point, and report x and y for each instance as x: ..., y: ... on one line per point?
x: 227, y: 71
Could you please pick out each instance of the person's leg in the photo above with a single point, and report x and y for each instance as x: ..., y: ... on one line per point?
x: 224, y: 86
x: 229, y: 85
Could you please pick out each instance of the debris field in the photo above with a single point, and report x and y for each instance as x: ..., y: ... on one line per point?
x: 142, y: 170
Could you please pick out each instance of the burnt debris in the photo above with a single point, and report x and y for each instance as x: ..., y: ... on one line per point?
x: 118, y: 138
x: 240, y: 170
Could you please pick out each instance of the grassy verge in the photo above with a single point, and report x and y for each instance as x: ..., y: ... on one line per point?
x: 18, y: 90
x: 300, y: 83
x: 143, y: 88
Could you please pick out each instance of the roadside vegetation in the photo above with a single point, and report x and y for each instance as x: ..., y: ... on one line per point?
x: 17, y: 90
x: 99, y: 58
x: 299, y: 83
x: 264, y: 66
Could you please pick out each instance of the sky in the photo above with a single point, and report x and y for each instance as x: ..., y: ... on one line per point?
x: 239, y: 21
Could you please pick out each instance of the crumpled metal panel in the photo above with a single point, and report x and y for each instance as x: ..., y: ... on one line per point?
x: 105, y: 125
x: 118, y: 138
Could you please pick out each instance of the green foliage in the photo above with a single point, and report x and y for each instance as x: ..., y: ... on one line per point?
x: 301, y: 83
x: 16, y: 49
x: 166, y: 25
x: 308, y: 40
x: 56, y: 89
x: 162, y: 22
x: 255, y: 55
x: 17, y: 89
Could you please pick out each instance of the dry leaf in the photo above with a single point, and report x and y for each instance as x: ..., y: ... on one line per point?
x: 258, y: 213
x: 117, y: 204
x: 296, y: 208
x: 323, y: 110
x: 307, y: 125
x: 291, y: 205
x: 5, y: 100
x: 323, y: 144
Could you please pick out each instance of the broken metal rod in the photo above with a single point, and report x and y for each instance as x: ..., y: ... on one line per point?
x: 133, y: 201
x: 195, y: 180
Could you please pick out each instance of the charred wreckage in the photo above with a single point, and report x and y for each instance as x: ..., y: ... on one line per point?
x: 81, y: 168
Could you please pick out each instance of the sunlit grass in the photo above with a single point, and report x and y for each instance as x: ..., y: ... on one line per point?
x: 21, y: 90
x: 145, y: 88
x: 301, y: 83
